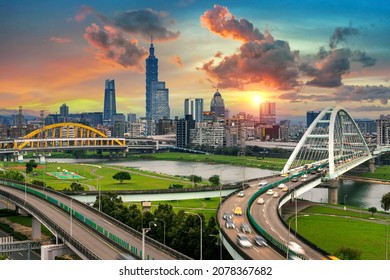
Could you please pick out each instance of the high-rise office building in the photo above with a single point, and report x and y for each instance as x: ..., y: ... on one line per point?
x: 151, y: 76
x: 194, y: 107
x: 132, y: 118
x: 109, y: 101
x: 268, y: 113
x: 311, y: 116
x: 64, y: 111
x: 160, y: 101
x: 183, y: 127
x: 217, y: 105
x: 383, y: 130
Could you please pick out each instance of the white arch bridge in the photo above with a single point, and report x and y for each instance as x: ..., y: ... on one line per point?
x: 331, y: 146
x: 333, y: 142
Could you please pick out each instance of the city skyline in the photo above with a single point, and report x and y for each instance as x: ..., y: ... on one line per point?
x: 294, y: 54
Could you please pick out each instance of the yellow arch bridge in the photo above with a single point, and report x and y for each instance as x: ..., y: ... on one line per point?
x: 62, y: 136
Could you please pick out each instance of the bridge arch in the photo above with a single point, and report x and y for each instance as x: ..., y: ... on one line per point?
x: 75, y: 134
x: 333, y: 141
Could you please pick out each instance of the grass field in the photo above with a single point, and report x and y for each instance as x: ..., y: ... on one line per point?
x: 331, y: 229
x: 206, y: 206
x: 381, y: 173
x: 93, y: 175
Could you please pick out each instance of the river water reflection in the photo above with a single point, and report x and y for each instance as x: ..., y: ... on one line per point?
x: 359, y: 194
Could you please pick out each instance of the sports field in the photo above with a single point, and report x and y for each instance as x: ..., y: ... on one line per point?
x: 65, y: 175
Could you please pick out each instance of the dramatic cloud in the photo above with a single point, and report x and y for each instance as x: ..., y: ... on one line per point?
x: 340, y: 35
x: 60, y: 40
x: 110, y: 45
x: 345, y: 94
x: 328, y: 72
x: 146, y: 22
x: 142, y: 22
x: 260, y: 59
x: 333, y: 64
x: 220, y: 21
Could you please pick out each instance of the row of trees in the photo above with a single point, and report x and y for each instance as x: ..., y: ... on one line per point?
x: 182, y: 230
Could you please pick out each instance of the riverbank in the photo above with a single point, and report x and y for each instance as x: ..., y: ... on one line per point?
x: 365, y: 179
x: 247, y: 161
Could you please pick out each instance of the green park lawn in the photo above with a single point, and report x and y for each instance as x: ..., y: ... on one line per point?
x: 331, y: 229
x: 206, y: 206
x: 381, y: 173
x: 93, y: 175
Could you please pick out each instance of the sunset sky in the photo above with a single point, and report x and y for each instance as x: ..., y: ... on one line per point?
x: 303, y: 55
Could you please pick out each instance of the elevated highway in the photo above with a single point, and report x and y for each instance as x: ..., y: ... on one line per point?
x: 90, y: 233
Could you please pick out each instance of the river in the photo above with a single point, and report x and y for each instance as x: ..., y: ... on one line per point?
x: 358, y: 194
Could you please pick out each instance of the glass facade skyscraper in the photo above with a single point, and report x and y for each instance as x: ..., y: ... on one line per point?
x: 194, y: 107
x: 151, y: 76
x: 109, y: 101
x: 160, y: 101
x: 268, y: 113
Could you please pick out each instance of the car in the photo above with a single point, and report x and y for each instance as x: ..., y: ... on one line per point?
x: 276, y: 194
x: 303, y: 179
x: 227, y: 215
x: 294, y: 179
x: 263, y: 183
x: 270, y: 191
x: 230, y: 224
x: 238, y: 210
x: 260, y: 201
x: 241, y: 194
x: 245, y: 228
x: 243, y: 241
x: 293, y: 246
x: 259, y: 240
x: 285, y: 189
x: 281, y: 186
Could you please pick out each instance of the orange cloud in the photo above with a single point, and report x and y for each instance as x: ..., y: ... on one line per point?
x: 176, y: 60
x: 220, y: 21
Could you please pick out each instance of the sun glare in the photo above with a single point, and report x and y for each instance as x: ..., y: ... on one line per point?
x: 257, y: 99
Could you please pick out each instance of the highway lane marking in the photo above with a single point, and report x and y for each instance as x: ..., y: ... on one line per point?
x: 256, y: 250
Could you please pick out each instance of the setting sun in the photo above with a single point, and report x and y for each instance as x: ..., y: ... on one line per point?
x: 257, y: 99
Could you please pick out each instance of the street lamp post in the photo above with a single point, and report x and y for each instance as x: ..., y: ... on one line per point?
x: 201, y: 231
x: 164, y: 227
x: 289, y: 231
x: 144, y: 231
x: 345, y: 205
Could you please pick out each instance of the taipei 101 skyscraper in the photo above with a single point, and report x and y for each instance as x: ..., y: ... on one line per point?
x: 151, y: 76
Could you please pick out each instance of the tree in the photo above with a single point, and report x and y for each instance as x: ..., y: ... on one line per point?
x: 385, y: 201
x: 31, y: 165
x: 345, y: 253
x: 121, y: 176
x: 214, y: 180
x: 12, y: 174
x: 195, y: 179
x: 373, y: 210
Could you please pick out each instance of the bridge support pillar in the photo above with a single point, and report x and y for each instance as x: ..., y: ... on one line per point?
x: 36, y: 229
x: 49, y: 252
x: 371, y: 165
x: 333, y: 188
